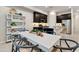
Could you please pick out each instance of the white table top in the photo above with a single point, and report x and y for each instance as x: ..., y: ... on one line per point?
x: 45, y: 43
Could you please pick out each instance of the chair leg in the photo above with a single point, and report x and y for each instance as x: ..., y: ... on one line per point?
x: 61, y: 50
x: 40, y: 50
x: 74, y: 49
x: 60, y: 42
x: 17, y: 49
x: 12, y: 48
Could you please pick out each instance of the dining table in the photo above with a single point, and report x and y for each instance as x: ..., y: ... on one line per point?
x: 45, y: 42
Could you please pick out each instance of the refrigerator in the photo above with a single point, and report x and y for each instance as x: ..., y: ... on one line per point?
x: 67, y: 25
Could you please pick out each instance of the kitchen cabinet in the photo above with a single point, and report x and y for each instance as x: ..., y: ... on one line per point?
x: 63, y: 17
x: 39, y: 17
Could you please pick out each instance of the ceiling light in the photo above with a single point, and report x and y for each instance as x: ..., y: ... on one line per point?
x: 52, y: 12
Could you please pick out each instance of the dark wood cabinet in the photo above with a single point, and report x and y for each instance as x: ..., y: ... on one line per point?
x: 43, y: 18
x: 36, y: 17
x: 39, y: 17
x: 59, y: 20
x: 63, y: 17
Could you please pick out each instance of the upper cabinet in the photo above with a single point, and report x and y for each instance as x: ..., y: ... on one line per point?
x: 39, y: 17
x: 63, y: 17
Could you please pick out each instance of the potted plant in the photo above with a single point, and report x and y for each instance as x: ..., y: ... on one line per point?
x: 13, y: 24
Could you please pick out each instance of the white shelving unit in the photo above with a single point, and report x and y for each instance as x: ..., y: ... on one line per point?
x: 14, y: 24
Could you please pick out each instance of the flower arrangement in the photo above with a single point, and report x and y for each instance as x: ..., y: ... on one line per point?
x: 38, y: 32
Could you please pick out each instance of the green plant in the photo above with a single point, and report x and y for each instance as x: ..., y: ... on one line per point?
x: 13, y: 24
x: 36, y: 30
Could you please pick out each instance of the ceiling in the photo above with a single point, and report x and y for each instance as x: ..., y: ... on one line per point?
x: 56, y: 8
x: 47, y: 9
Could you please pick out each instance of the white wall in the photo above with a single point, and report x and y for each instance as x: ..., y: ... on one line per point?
x: 51, y: 19
x: 73, y: 21
x: 3, y: 11
x: 76, y: 22
x: 2, y: 27
x: 28, y: 19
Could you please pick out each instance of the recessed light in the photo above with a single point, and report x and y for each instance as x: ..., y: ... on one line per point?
x: 52, y: 12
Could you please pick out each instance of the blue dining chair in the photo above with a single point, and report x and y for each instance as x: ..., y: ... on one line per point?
x: 17, y: 44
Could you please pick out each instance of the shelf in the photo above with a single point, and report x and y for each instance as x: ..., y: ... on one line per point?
x: 17, y: 20
x: 12, y: 33
x: 17, y: 27
x: 9, y: 33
